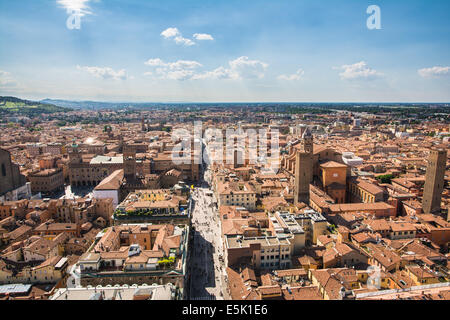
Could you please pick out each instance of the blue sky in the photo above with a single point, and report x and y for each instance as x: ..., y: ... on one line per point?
x: 255, y: 50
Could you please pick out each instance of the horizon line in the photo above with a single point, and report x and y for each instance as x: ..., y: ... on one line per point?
x: 250, y: 102
x: 230, y: 102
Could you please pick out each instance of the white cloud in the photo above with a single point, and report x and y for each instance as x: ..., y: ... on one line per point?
x: 181, y: 75
x: 248, y: 69
x: 6, y: 80
x: 174, y: 33
x: 184, y: 64
x: 178, y: 70
x: 177, y: 65
x: 219, y: 73
x: 359, y: 70
x: 170, y: 33
x: 434, y: 72
x: 292, y: 77
x: 105, y: 72
x: 80, y: 6
x: 241, y: 68
x: 203, y: 36
x: 185, y: 41
x: 155, y: 62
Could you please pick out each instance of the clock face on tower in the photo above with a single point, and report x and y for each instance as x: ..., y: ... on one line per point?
x: 335, y: 175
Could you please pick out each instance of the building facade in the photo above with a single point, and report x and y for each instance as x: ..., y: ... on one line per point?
x: 47, y: 181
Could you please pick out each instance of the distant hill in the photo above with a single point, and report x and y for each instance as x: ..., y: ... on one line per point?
x: 99, y: 105
x: 89, y: 105
x: 11, y: 105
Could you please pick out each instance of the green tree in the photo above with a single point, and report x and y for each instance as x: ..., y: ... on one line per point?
x: 386, y: 178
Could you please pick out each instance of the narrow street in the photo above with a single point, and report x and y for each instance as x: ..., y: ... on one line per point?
x: 207, y: 270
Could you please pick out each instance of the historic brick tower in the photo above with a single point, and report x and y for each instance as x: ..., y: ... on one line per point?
x: 308, y: 142
x: 129, y: 163
x: 121, y: 143
x: 434, y: 181
x: 143, y: 127
x: 74, y: 154
x: 304, y: 168
x: 238, y: 158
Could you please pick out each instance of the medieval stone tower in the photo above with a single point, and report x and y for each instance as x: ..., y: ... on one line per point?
x: 303, y: 168
x: 143, y: 125
x: 74, y: 154
x: 238, y: 158
x: 121, y: 143
x: 434, y: 181
x: 129, y: 162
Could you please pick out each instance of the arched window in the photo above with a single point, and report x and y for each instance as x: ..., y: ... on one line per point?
x: 3, y: 170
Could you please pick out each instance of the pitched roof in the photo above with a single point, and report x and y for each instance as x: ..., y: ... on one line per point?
x: 333, y: 164
x: 302, y: 293
x: 112, y: 182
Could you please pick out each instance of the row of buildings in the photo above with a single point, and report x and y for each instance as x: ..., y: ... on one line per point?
x: 318, y: 227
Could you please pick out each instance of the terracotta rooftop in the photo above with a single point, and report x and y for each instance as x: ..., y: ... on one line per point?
x: 112, y: 182
x: 333, y: 164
